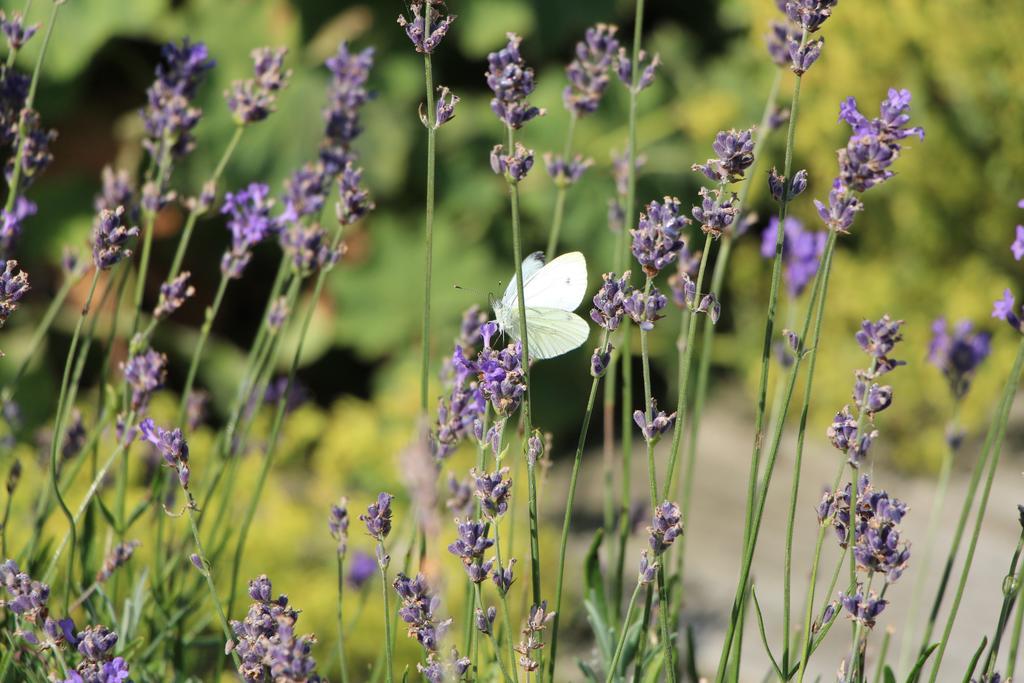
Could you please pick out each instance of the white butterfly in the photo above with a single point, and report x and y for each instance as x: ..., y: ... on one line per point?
x: 551, y: 292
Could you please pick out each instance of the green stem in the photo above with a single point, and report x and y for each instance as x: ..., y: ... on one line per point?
x: 517, y: 249
x: 342, y: 662
x: 494, y: 645
x: 1011, y: 589
x: 638, y: 670
x: 39, y: 334
x: 561, y: 191
x: 882, y: 655
x: 1018, y: 622
x: 163, y: 168
x: 388, y: 645
x: 566, y: 521
x: 207, y: 572
x: 197, y: 351
x: 428, y: 246
x: 507, y: 614
x: 613, y: 666
x: 997, y: 430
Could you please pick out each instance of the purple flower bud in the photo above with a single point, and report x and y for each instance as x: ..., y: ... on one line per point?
x: 503, y: 578
x: 1003, y: 309
x: 378, y: 517
x: 958, y: 355
x: 566, y: 172
x: 645, y: 310
x: 657, y: 425
x: 362, y: 568
x: 624, y: 68
x: 423, y: 39
x: 12, y: 222
x: 109, y: 237
x: 494, y: 491
x: 173, y: 295
x: 169, y: 116
x: 117, y: 558
x: 735, y: 154
x: 485, y: 620
x: 197, y: 561
x: 95, y: 642
x: 648, y: 570
x: 15, y: 30
x: 657, y: 239
x: 511, y: 81
x: 600, y: 360
x: 444, y: 109
x: 337, y: 522
x: 716, y: 213
x: 609, y: 302
x: 353, y: 200
x: 803, y: 56
x: 513, y: 166
x: 588, y: 72
x: 709, y: 304
x: 145, y: 373
x: 253, y: 99
x: 13, y: 286
x: 171, y: 445
x: 665, y: 528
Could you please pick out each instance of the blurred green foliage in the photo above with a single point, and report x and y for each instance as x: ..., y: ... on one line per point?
x: 932, y: 242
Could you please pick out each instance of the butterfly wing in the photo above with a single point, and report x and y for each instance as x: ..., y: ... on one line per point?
x: 560, y: 284
x: 532, y: 264
x: 553, y: 331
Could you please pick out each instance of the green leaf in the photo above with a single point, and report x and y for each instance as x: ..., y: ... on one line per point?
x: 652, y: 668
x: 588, y: 671
x: 592, y: 576
x: 601, y: 630
x: 916, y: 671
x: 974, y: 660
x: 888, y: 675
x: 764, y: 636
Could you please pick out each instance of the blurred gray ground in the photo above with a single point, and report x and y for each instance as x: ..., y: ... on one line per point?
x: 715, y: 529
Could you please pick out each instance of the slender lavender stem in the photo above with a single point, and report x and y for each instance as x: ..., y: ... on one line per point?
x: 1018, y: 622
x: 388, y: 653
x: 1011, y: 589
x: 428, y: 246
x: 342, y: 662
x: 207, y: 573
x: 562, y: 190
x: 622, y: 636
x: 997, y: 431
x: 507, y: 614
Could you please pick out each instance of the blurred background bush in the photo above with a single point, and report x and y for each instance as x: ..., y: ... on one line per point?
x: 932, y: 242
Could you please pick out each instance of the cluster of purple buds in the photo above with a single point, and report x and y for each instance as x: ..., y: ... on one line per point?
x: 777, y: 40
x: 14, y: 87
x: 657, y: 425
x: 16, y: 31
x: 109, y: 237
x: 250, y: 222
x: 533, y: 636
x: 12, y: 222
x: 470, y: 546
x: 503, y: 577
x: 588, y: 72
x: 566, y: 172
x: 609, y: 302
x: 118, y: 189
x: 452, y: 668
x: 1003, y: 309
x: 353, y: 199
x: 1017, y: 246
x: 346, y: 96
x: 863, y: 608
x: 362, y: 568
x: 117, y: 558
x: 645, y: 309
x: 96, y: 645
x: 513, y: 166
x: 666, y: 527
x: 35, y: 150
x: 809, y: 14
x: 716, y: 212
x: 337, y: 522
x: 460, y: 496
x: 600, y: 360
x: 305, y: 192
x: 511, y: 81
x: 802, y: 56
x: 844, y: 435
x: 144, y: 373
x: 878, y: 546
x: 195, y: 408
x: 25, y: 597
x: 801, y: 252
x: 418, y: 611
x: 426, y: 38
x: 874, y: 146
x: 173, y: 294
x: 648, y: 570
x: 457, y: 413
x: 172, y: 447
x: 444, y: 108
x: 681, y: 283
x: 253, y: 99
x: 265, y: 640
x: 734, y: 150
x: 500, y: 372
x: 378, y: 517
x: 780, y: 190
x: 309, y: 247
x: 13, y: 286
x: 484, y: 620
x: 658, y: 239
x: 878, y: 339
x: 624, y: 68
x: 74, y: 436
x: 169, y: 116
x: 493, y: 490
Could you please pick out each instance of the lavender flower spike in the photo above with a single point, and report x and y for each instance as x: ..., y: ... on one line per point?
x: 169, y: 116
x: 588, y: 72
x: 250, y: 222
x: 657, y: 239
x: 735, y: 154
x: 109, y: 237
x: 13, y: 286
x: 172, y: 447
x: 511, y: 81
x: 254, y: 99
x: 958, y: 355
x: 173, y: 295
x: 145, y: 373
x: 378, y: 517
x: 425, y: 39
x: 654, y: 428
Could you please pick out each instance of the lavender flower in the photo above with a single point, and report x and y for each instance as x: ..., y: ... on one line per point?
x: 347, y: 95
x: 195, y: 408
x: 665, y: 528
x: 802, y: 57
x: 503, y: 578
x: 843, y: 435
x: 566, y: 172
x: 309, y: 247
x: 145, y: 373
x: 659, y: 423
x: 533, y: 638
x: 778, y: 187
x: 779, y: 36
x: 378, y: 517
x: 171, y: 445
x: 173, y: 295
x: 1018, y: 244
x: 14, y: 87
x: 169, y: 116
x: 609, y: 302
x: 511, y: 81
x: 35, y: 151
x: 624, y: 68
x: 425, y: 39
x: 879, y: 339
x: 418, y: 611
x: 444, y: 107
x: 117, y: 558
x: 470, y: 546
x: 645, y: 310
x: 863, y: 608
x: 13, y: 286
x: 809, y: 14
x: 362, y: 568
x: 12, y: 223
x: 305, y: 192
x: 109, y: 237
x: 801, y: 252
x: 657, y: 239
x: 513, y: 166
x: 588, y: 72
x: 457, y: 412
x: 500, y: 373
x: 278, y: 314
x: 452, y: 668
x: 16, y: 31
x: 353, y: 200
x: 253, y: 99
x: 493, y: 490
x: 710, y: 305
x: 648, y: 570
x: 25, y: 597
x: 337, y: 522
x: 600, y: 360
x: 715, y: 213
x: 484, y: 621
x: 118, y: 189
x: 1003, y: 309
x: 958, y: 355
x: 735, y: 154
x: 250, y: 222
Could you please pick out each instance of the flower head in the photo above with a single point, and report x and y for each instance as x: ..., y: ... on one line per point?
x: 145, y: 373
x: 171, y: 445
x: 513, y: 166
x: 665, y: 528
x: 566, y: 172
x: 173, y: 295
x: 657, y: 239
x: 337, y: 522
x: 169, y: 116
x: 118, y: 557
x: 425, y: 39
x: 249, y: 221
x: 418, y: 610
x: 12, y: 222
x: 493, y: 490
x: 657, y: 425
x: 13, y: 286
x: 734, y: 150
x: 958, y: 355
x: 378, y: 517
x: 353, y: 200
x: 16, y: 31
x: 716, y: 212
x: 253, y: 99
x: 588, y: 72
x: 801, y: 252
x: 645, y: 310
x: 347, y: 94
x: 624, y: 68
x: 609, y: 302
x: 25, y: 597
x: 109, y: 237
x: 511, y: 81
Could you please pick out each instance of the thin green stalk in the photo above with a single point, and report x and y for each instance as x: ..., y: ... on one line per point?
x: 163, y: 168
x: 882, y: 655
x: 39, y: 334
x: 641, y: 656
x: 567, y: 520
x: 938, y: 502
x: 821, y: 281
x: 684, y: 370
x: 388, y: 645
x: 1018, y: 622
x: 494, y: 644
x: 207, y: 573
x: 613, y: 666
x: 608, y: 466
x: 15, y: 181
x: 506, y: 613
x: 197, y: 351
x: 428, y: 245
x: 998, y: 430
x: 1011, y: 589
x: 194, y: 213
x: 561, y: 191
x: 58, y: 431
x: 517, y: 254
x: 342, y: 662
